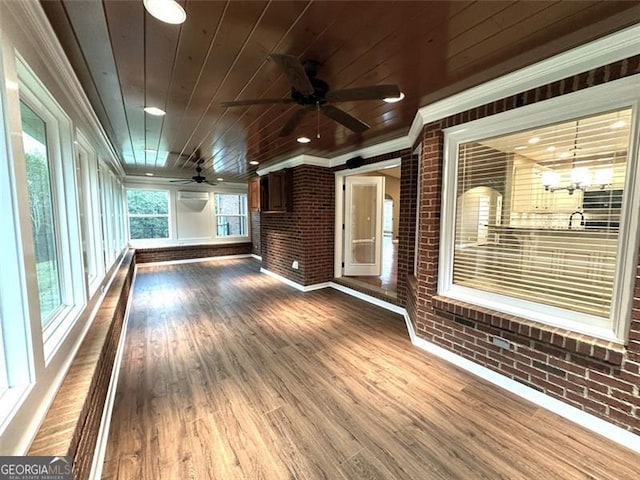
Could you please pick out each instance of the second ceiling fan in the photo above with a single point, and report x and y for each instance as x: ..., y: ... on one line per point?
x: 314, y: 94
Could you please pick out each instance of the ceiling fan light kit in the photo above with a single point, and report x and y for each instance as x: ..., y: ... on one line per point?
x: 312, y: 93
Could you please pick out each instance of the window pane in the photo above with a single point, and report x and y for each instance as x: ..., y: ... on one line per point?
x: 231, y: 226
x: 148, y: 202
x: 41, y: 208
x: 148, y: 214
x: 538, y: 212
x: 228, y: 204
x: 148, y: 227
x: 231, y: 214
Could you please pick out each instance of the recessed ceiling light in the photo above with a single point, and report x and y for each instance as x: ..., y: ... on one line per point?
x: 551, y: 148
x: 521, y: 147
x: 149, y: 174
x: 303, y: 139
x: 618, y: 124
x: 565, y: 155
x: 168, y: 11
x: 394, y: 99
x: 154, y: 111
x: 220, y: 179
x: 253, y: 162
x: 534, y: 140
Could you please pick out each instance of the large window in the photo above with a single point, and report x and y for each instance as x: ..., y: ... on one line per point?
x: 34, y: 137
x: 231, y: 214
x: 533, y: 216
x: 148, y: 214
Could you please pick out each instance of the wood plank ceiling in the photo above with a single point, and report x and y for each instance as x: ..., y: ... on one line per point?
x: 126, y: 59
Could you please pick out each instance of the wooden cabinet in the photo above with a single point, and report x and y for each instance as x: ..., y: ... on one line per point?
x: 528, y: 194
x: 254, y: 194
x: 565, y: 203
x: 276, y: 192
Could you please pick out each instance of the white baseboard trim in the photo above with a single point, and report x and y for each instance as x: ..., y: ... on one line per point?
x: 100, y: 449
x: 257, y: 257
x: 192, y: 260
x: 569, y: 412
x: 291, y: 283
x: 368, y: 298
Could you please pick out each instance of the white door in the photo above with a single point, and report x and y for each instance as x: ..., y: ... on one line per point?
x: 364, y: 197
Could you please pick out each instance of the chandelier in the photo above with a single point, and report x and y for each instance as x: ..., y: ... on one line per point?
x: 580, y: 178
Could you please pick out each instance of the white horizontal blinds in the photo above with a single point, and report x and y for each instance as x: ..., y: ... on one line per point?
x: 538, y: 212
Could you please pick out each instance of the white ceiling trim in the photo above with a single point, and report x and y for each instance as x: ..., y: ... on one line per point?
x: 609, y: 49
x: 294, y: 162
x: 374, y: 150
x: 366, y: 152
x: 54, y: 58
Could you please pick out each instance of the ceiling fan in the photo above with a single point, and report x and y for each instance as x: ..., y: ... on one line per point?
x: 197, y: 178
x: 312, y: 93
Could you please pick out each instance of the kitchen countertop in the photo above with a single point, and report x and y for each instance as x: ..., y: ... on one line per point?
x: 600, y: 232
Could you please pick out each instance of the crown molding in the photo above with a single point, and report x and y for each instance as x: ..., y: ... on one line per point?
x: 53, y: 56
x: 294, y: 162
x: 609, y: 49
x: 367, y: 152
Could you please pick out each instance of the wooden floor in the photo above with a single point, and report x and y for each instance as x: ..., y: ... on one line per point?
x: 387, y: 282
x: 228, y: 374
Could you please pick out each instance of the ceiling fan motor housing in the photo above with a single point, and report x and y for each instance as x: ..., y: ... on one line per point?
x: 319, y: 95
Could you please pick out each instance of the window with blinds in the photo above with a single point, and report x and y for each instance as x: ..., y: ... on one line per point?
x: 537, y: 212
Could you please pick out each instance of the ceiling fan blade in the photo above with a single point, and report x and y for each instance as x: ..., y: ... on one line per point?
x: 210, y: 183
x: 342, y: 117
x: 293, y: 121
x: 374, y: 92
x: 294, y: 70
x: 259, y: 101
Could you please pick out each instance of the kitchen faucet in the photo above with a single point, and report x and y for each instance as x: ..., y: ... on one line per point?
x: 581, y: 218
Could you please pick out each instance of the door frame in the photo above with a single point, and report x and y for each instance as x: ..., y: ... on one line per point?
x: 340, y: 197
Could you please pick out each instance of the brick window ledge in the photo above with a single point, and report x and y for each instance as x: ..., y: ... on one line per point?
x: 551, y: 340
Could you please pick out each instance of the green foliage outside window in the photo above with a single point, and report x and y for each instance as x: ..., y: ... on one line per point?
x: 41, y: 212
x: 148, y: 214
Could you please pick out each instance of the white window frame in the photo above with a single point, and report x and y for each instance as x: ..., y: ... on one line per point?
x: 139, y: 215
x: 90, y: 192
x: 245, y: 216
x: 592, y: 101
x: 60, y: 156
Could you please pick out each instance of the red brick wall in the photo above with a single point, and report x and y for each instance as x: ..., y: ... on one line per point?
x: 255, y: 233
x: 592, y: 375
x: 186, y: 252
x: 306, y: 234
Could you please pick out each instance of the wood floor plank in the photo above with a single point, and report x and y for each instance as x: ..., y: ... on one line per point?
x: 228, y: 374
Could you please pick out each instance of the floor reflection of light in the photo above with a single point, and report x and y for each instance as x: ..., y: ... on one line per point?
x: 166, y: 298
